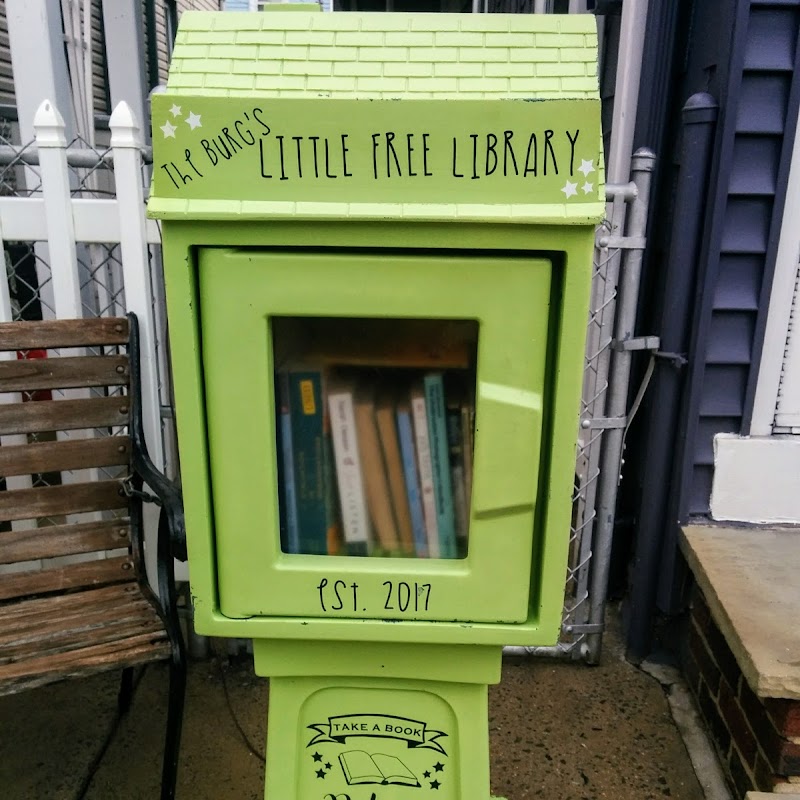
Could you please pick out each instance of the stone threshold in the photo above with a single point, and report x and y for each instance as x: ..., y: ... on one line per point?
x: 750, y: 577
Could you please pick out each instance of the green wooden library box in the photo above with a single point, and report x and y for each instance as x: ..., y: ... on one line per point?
x: 377, y: 244
x: 378, y: 234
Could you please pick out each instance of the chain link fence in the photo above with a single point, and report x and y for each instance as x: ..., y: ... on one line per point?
x: 599, y: 339
x: 620, y: 241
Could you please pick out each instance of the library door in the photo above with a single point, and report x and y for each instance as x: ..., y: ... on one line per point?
x: 374, y: 424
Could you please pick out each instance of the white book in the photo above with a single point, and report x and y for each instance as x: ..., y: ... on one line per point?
x: 425, y: 467
x: 352, y: 499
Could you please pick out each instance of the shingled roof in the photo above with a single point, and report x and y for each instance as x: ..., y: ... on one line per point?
x: 376, y: 55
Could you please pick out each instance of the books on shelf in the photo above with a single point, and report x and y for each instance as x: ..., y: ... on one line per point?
x: 347, y: 469
x: 440, y: 463
x: 373, y: 461
x: 457, y: 475
x: 405, y: 434
x: 373, y: 467
x: 290, y: 534
x: 386, y: 419
x: 307, y: 409
x: 419, y: 411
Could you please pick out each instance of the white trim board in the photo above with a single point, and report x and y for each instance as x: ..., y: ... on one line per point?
x: 756, y: 479
x: 780, y: 309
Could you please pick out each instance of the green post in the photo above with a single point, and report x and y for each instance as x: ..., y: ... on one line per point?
x: 359, y: 207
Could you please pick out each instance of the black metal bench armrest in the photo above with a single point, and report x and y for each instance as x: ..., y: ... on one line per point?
x: 167, y: 492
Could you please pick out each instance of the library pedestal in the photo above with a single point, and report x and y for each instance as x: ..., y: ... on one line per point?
x: 378, y: 289
x: 355, y: 721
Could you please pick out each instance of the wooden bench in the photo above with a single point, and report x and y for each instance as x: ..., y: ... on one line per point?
x: 83, y: 604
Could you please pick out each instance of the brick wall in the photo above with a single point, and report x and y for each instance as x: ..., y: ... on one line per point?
x: 758, y: 740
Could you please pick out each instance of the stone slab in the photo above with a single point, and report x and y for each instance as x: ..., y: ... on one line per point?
x: 770, y: 796
x: 751, y: 580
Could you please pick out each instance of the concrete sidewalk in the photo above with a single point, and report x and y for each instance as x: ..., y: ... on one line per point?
x: 559, y: 731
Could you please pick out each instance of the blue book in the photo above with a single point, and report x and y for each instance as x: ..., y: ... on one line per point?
x: 290, y: 535
x: 440, y: 462
x: 405, y: 434
x: 307, y: 409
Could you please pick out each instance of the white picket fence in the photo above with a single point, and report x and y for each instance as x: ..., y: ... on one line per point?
x: 54, y: 217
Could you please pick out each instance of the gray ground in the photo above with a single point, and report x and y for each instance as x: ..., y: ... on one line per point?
x: 559, y: 731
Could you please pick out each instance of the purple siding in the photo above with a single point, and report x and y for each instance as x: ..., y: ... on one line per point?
x: 744, y: 215
x: 743, y: 55
x: 755, y: 165
x: 738, y: 286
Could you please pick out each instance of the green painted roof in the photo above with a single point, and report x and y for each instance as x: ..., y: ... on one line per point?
x: 378, y: 55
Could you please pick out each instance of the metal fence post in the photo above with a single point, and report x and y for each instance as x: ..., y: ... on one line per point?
x: 642, y: 166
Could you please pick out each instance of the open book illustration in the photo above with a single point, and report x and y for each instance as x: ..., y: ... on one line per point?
x: 361, y: 767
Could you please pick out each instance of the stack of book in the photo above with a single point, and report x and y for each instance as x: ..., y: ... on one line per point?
x: 374, y: 462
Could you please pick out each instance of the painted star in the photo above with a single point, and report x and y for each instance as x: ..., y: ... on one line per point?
x: 194, y: 120
x: 585, y: 167
x: 317, y: 756
x: 175, y: 110
x: 169, y: 130
x: 439, y: 767
x: 570, y: 190
x: 587, y: 187
x: 426, y: 774
x: 320, y: 773
x: 435, y: 784
x: 328, y: 765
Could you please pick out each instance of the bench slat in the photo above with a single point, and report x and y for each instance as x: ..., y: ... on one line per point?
x: 85, y: 614
x: 31, y: 611
x: 53, y: 501
x: 140, y: 649
x: 63, y: 415
x: 63, y: 333
x: 35, y: 374
x: 96, y: 626
x: 97, y: 572
x: 28, y: 459
x: 63, y: 540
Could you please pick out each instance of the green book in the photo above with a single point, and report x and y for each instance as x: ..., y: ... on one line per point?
x: 440, y: 462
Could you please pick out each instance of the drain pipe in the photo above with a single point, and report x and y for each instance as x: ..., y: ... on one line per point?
x: 626, y: 90
x: 674, y: 330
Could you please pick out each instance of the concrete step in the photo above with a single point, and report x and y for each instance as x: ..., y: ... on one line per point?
x: 749, y: 579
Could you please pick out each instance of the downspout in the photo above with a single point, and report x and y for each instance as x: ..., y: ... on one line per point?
x: 674, y: 330
x: 626, y: 91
